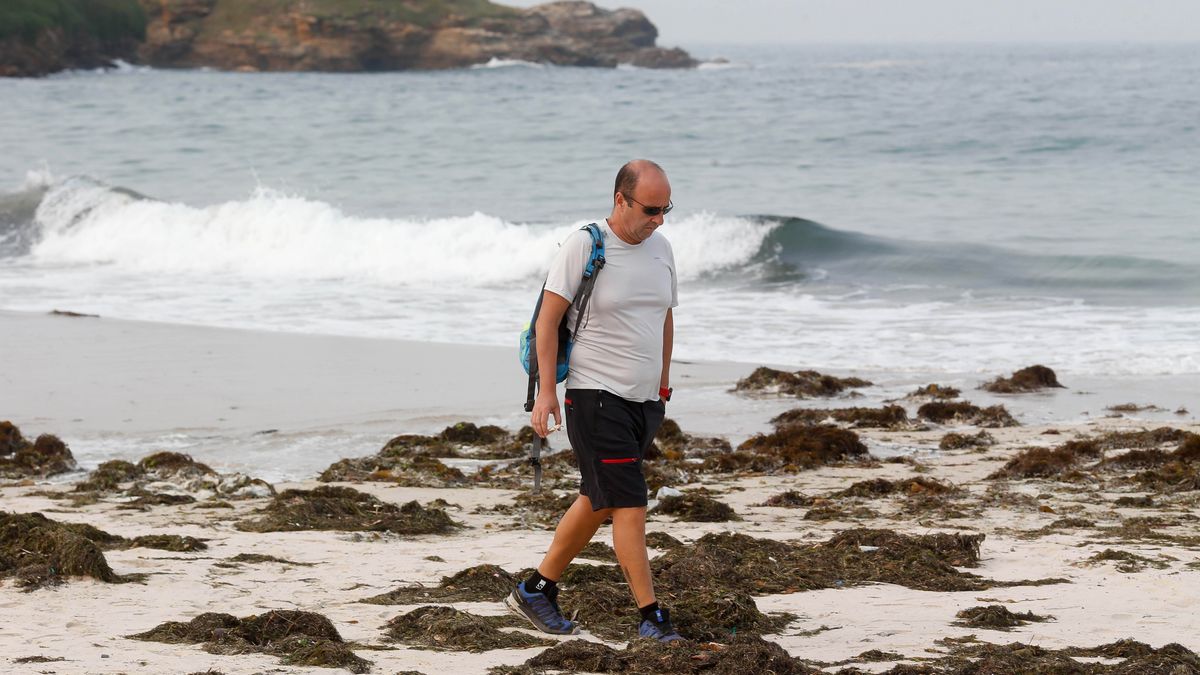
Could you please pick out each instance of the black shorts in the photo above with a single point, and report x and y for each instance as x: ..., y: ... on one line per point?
x: 610, y: 435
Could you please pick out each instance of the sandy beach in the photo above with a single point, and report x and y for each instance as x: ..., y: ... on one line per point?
x: 285, y: 407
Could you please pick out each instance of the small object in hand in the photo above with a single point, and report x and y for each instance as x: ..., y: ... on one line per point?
x: 556, y: 427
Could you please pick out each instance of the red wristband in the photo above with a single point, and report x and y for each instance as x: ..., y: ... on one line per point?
x: 665, y: 393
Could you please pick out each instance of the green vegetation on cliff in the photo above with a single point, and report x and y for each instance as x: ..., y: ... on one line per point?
x: 423, y: 13
x: 107, y: 21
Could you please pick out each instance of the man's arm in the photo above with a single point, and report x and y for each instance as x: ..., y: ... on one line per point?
x: 668, y: 343
x: 554, y: 306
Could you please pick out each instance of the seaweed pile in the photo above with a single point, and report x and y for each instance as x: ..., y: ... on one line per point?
x: 1145, y: 464
x: 997, y: 617
x: 788, y: 449
x: 412, y: 460
x: 672, y: 443
x: 331, y: 507
x: 530, y: 510
x: 708, y: 585
x: 435, y: 627
x: 801, y: 384
x: 1033, y: 378
x: 887, y: 417
x: 45, y: 456
x: 482, y: 583
x: 934, y: 391
x: 37, y: 551
x: 695, y: 508
x: 964, y: 412
x: 163, y: 478
x: 956, y: 441
x: 298, y: 638
x: 882, y: 487
x: 743, y: 654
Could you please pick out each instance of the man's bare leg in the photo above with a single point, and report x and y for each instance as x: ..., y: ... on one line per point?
x: 629, y: 541
x: 576, y: 528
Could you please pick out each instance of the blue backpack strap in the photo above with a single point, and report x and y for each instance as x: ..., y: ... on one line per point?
x: 596, y: 259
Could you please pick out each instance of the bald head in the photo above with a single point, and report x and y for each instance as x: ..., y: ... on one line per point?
x: 641, y: 199
x: 630, y: 174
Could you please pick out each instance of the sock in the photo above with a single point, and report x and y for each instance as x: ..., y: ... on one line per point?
x: 650, y: 613
x: 540, y: 584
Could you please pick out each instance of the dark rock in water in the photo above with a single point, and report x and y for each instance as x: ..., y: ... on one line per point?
x: 801, y: 384
x: 1033, y: 378
x: 963, y: 412
x: 330, y: 507
x: 695, y: 508
x: 997, y: 617
x: 297, y: 637
x: 46, y: 456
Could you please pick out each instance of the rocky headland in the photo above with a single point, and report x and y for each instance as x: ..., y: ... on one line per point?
x: 38, y: 37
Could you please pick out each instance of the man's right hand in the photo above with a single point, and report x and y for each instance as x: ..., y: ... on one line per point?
x: 545, y: 405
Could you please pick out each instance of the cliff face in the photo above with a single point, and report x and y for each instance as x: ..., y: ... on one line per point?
x: 358, y: 35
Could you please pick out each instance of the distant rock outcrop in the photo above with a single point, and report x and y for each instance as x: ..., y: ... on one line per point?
x: 44, y: 36
x: 371, y: 35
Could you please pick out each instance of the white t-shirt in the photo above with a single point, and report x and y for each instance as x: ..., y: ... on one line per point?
x: 619, y: 347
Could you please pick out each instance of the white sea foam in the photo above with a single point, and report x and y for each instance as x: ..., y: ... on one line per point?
x: 495, y: 62
x: 281, y: 262
x: 272, y: 235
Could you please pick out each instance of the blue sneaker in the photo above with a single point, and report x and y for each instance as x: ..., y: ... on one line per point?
x: 660, y: 629
x: 541, y: 610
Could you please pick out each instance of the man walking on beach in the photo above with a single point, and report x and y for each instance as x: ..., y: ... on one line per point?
x: 617, y: 385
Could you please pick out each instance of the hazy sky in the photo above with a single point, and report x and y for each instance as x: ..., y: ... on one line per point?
x: 683, y: 22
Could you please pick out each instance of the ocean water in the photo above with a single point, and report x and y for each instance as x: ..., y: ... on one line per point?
x: 965, y: 209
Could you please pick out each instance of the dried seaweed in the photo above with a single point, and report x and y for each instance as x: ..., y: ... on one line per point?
x: 790, y: 449
x: 330, y: 507
x: 801, y: 384
x: 46, y: 456
x: 881, y: 487
x: 437, y: 627
x: 1033, y: 378
x: 789, y: 500
x: 964, y: 412
x: 743, y: 654
x: 1125, y: 561
x: 887, y: 417
x: 297, y: 637
x: 956, y: 441
x: 996, y: 617
x: 482, y: 583
x: 694, y: 508
x: 672, y: 443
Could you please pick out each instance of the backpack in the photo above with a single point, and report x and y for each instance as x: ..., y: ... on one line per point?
x: 566, y: 336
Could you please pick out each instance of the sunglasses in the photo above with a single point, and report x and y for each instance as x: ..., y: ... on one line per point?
x: 652, y: 210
